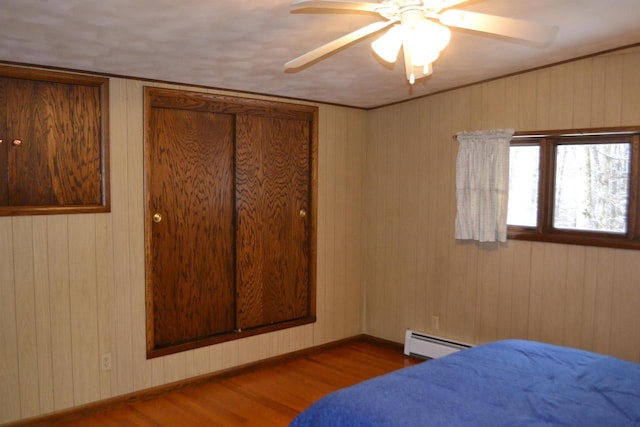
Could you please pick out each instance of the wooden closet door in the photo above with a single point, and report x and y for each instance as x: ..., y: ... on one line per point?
x: 273, y: 219
x: 190, y: 225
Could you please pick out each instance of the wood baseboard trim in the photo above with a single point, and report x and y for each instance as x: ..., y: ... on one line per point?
x: 382, y: 342
x: 77, y: 412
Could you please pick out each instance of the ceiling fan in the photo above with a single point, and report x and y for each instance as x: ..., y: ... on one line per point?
x: 419, y: 27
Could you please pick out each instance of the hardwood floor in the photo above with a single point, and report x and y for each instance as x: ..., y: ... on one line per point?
x: 269, y: 396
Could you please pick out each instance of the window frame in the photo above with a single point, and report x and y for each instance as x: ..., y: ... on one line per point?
x: 544, y: 231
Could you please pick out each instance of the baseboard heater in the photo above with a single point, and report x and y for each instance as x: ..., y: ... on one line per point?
x: 428, y: 346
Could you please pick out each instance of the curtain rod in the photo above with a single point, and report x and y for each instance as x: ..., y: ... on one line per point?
x: 612, y: 131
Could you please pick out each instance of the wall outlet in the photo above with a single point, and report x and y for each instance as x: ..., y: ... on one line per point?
x: 105, y: 362
x: 435, y: 322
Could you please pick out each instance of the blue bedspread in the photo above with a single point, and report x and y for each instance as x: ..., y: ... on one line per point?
x: 505, y: 383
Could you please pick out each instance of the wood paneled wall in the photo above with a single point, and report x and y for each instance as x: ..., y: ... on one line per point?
x: 580, y: 296
x: 72, y: 286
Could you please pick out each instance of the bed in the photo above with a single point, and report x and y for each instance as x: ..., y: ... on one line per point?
x: 504, y: 383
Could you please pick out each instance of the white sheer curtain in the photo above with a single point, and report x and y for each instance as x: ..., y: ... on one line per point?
x: 482, y: 185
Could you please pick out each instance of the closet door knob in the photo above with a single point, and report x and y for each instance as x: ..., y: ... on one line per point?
x: 303, y: 213
x: 17, y: 142
x: 157, y: 218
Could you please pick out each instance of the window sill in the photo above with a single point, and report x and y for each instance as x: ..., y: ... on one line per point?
x: 606, y: 240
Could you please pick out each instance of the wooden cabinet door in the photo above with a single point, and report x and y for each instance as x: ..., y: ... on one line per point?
x: 4, y: 146
x: 273, y: 209
x: 190, y: 225
x: 53, y: 155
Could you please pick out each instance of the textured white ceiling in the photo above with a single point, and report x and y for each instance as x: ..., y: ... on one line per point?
x: 242, y: 45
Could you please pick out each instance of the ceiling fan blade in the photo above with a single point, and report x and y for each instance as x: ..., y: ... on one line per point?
x: 335, y: 4
x: 325, y: 49
x: 508, y: 27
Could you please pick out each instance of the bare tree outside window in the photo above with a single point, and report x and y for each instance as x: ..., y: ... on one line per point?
x: 592, y: 187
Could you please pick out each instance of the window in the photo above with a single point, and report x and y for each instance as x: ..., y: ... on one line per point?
x: 578, y: 188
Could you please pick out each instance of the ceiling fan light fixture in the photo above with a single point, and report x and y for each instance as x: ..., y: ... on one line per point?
x: 388, y: 45
x: 423, y: 57
x: 421, y: 39
x: 435, y: 36
x: 424, y: 40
